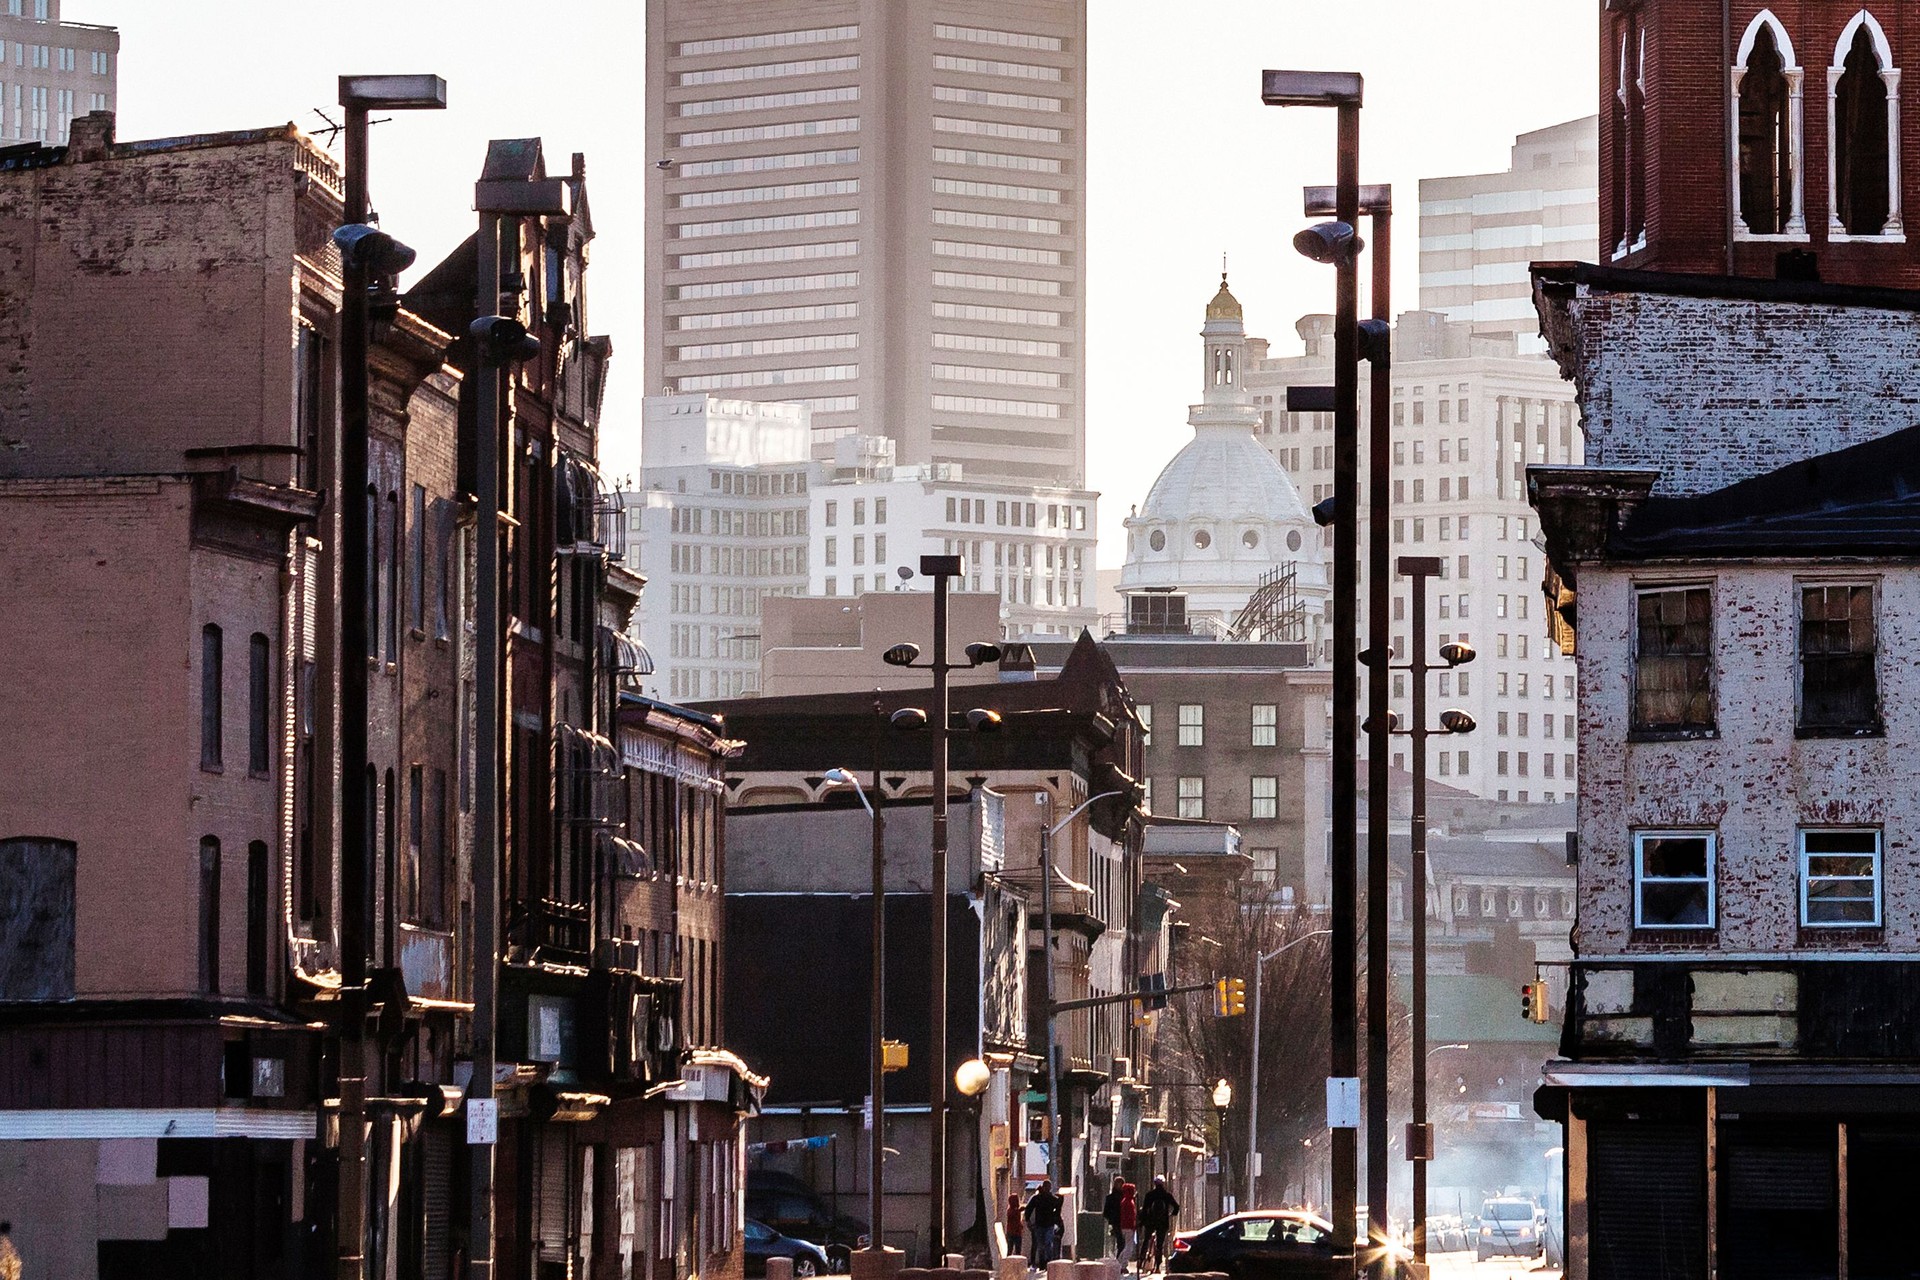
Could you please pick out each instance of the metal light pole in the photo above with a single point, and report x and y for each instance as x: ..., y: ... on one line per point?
x: 1419, y: 1131
x: 876, y: 1055
x: 1046, y: 932
x: 1222, y: 1099
x: 497, y: 342
x: 359, y: 95
x: 1253, y: 1086
x: 1341, y: 91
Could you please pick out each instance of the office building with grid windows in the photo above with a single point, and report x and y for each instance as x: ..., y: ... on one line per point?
x: 52, y: 71
x: 875, y: 208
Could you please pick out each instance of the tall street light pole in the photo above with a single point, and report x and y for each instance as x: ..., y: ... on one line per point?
x: 497, y: 342
x: 1335, y: 243
x: 367, y: 256
x: 1419, y: 1144
x: 1253, y: 1085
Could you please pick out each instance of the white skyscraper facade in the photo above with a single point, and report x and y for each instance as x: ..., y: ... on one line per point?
x: 51, y: 71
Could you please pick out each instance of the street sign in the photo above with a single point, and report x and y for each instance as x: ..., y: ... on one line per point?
x: 1343, y: 1102
x: 483, y: 1122
x: 866, y: 1113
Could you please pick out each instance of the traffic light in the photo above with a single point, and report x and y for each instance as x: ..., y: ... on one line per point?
x: 1229, y: 997
x: 1533, y: 1002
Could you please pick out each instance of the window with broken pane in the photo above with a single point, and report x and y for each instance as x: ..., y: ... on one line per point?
x: 1673, y: 660
x: 1840, y: 877
x: 1838, y: 689
x: 1673, y: 880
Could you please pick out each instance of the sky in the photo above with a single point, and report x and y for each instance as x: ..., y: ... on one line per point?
x: 1185, y: 163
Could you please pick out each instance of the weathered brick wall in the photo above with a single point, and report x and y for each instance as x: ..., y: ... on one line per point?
x: 1685, y: 167
x: 1755, y: 781
x: 1710, y: 391
x: 151, y: 286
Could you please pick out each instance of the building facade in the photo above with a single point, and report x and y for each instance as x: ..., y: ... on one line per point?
x: 52, y: 72
x: 1479, y: 232
x: 877, y: 210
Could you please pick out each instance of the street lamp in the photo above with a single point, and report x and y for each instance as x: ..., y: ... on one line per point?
x: 1253, y: 1090
x: 1452, y: 721
x: 1054, y: 1143
x: 1342, y: 91
x: 1222, y: 1099
x: 943, y: 569
x: 876, y: 1046
x: 368, y: 259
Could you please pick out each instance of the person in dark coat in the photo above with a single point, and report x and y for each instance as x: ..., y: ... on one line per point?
x: 1111, y: 1212
x: 1157, y: 1212
x: 1044, y: 1223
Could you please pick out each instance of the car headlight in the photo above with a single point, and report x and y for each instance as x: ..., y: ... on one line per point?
x: 1486, y: 1231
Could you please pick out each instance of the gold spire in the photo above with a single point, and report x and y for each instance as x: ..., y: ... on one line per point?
x: 1224, y: 305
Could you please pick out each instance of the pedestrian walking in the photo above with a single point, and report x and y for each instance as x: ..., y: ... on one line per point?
x: 1111, y: 1212
x: 1044, y: 1224
x: 9, y: 1256
x: 1014, y: 1221
x: 1129, y: 1224
x: 1157, y: 1212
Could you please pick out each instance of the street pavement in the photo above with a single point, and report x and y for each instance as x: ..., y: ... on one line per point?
x: 1463, y: 1266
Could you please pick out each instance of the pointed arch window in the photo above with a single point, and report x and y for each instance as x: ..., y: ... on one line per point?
x: 1863, y: 135
x: 1768, y: 191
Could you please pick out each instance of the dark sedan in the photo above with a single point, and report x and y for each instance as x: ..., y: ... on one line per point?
x: 763, y: 1242
x: 1269, y: 1244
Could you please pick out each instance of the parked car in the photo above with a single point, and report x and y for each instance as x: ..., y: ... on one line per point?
x: 1446, y: 1234
x: 1509, y: 1225
x: 1268, y: 1244
x: 763, y: 1242
x: 793, y: 1208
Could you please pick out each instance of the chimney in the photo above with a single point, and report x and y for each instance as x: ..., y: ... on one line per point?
x: 90, y: 137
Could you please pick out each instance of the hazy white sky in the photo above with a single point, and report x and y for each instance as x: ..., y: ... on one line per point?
x: 1184, y: 160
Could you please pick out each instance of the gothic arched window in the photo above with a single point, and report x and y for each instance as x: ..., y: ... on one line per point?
x: 1767, y: 104
x: 1863, y: 165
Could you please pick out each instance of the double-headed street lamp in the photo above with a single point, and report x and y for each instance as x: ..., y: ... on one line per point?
x: 1253, y: 1088
x: 1341, y: 91
x: 943, y: 569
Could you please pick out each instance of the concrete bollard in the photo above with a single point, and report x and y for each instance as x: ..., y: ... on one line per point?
x: 779, y: 1269
x: 1090, y: 1270
x: 1061, y: 1269
x: 1012, y: 1267
x: 877, y: 1264
x: 956, y: 1262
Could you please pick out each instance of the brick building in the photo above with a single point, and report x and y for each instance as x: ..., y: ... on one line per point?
x: 52, y: 71
x: 1744, y: 140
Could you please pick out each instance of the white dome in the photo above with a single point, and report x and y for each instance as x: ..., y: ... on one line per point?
x: 1226, y: 475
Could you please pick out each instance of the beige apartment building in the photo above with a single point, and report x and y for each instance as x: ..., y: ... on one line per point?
x: 52, y: 71
x: 875, y: 208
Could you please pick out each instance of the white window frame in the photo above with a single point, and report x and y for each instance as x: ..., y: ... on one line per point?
x: 1795, y: 75
x: 1893, y: 231
x: 1266, y: 724
x: 1269, y: 802
x: 1712, y: 837
x: 1193, y: 732
x: 1878, y: 878
x: 1194, y: 795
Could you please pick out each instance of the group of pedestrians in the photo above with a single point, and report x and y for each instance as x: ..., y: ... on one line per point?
x: 1140, y: 1228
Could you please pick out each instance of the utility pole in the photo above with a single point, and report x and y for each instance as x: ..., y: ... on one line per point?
x: 1379, y: 714
x: 943, y: 570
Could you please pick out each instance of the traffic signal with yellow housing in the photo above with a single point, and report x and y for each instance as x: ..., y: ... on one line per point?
x: 1229, y: 997
x: 1533, y: 1002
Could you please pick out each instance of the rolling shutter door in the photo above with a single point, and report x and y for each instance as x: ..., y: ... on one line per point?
x: 1647, y: 1200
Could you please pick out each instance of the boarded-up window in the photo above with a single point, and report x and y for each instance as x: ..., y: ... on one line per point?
x: 1838, y: 690
x: 36, y: 919
x: 210, y: 915
x: 1673, y: 659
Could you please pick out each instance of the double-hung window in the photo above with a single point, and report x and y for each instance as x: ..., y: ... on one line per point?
x: 1193, y: 721
x: 1840, y: 877
x: 1266, y: 724
x: 1192, y: 800
x: 1673, y: 660
x: 1839, y: 694
x: 1266, y: 798
x: 1673, y: 880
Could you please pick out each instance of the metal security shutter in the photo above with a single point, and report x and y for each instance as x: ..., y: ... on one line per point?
x: 436, y: 1190
x: 1779, y: 1216
x: 551, y: 1214
x: 1647, y: 1200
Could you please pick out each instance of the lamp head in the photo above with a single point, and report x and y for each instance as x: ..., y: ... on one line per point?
x: 502, y: 340
x: 1333, y: 242
x: 908, y: 718
x: 901, y: 655
x: 980, y: 653
x: 371, y: 250
x: 1454, y: 720
x: 1457, y: 654
x: 981, y: 720
x: 972, y: 1077
x: 1222, y: 1095
x: 839, y: 778
x: 1376, y: 341
x: 1393, y: 723
x: 1325, y: 512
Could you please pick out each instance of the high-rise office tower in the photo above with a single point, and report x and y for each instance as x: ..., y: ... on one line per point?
x: 875, y: 208
x: 51, y: 71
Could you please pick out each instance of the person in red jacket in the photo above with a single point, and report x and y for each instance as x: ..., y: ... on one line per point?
x: 1129, y: 1224
x: 1014, y: 1223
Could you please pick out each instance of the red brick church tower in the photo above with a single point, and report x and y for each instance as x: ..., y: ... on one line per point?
x: 1740, y: 139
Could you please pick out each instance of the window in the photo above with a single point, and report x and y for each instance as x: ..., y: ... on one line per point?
x: 1838, y: 690
x: 259, y: 703
x: 210, y: 915
x: 1840, y: 877
x: 1673, y: 664
x: 210, y: 681
x: 1192, y: 801
x: 1266, y: 724
x: 1673, y: 879
x: 1862, y: 170
x: 258, y: 920
x: 416, y: 838
x: 1266, y: 798
x: 1145, y: 711
x: 1192, y: 724
x: 1767, y: 103
x: 417, y: 566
